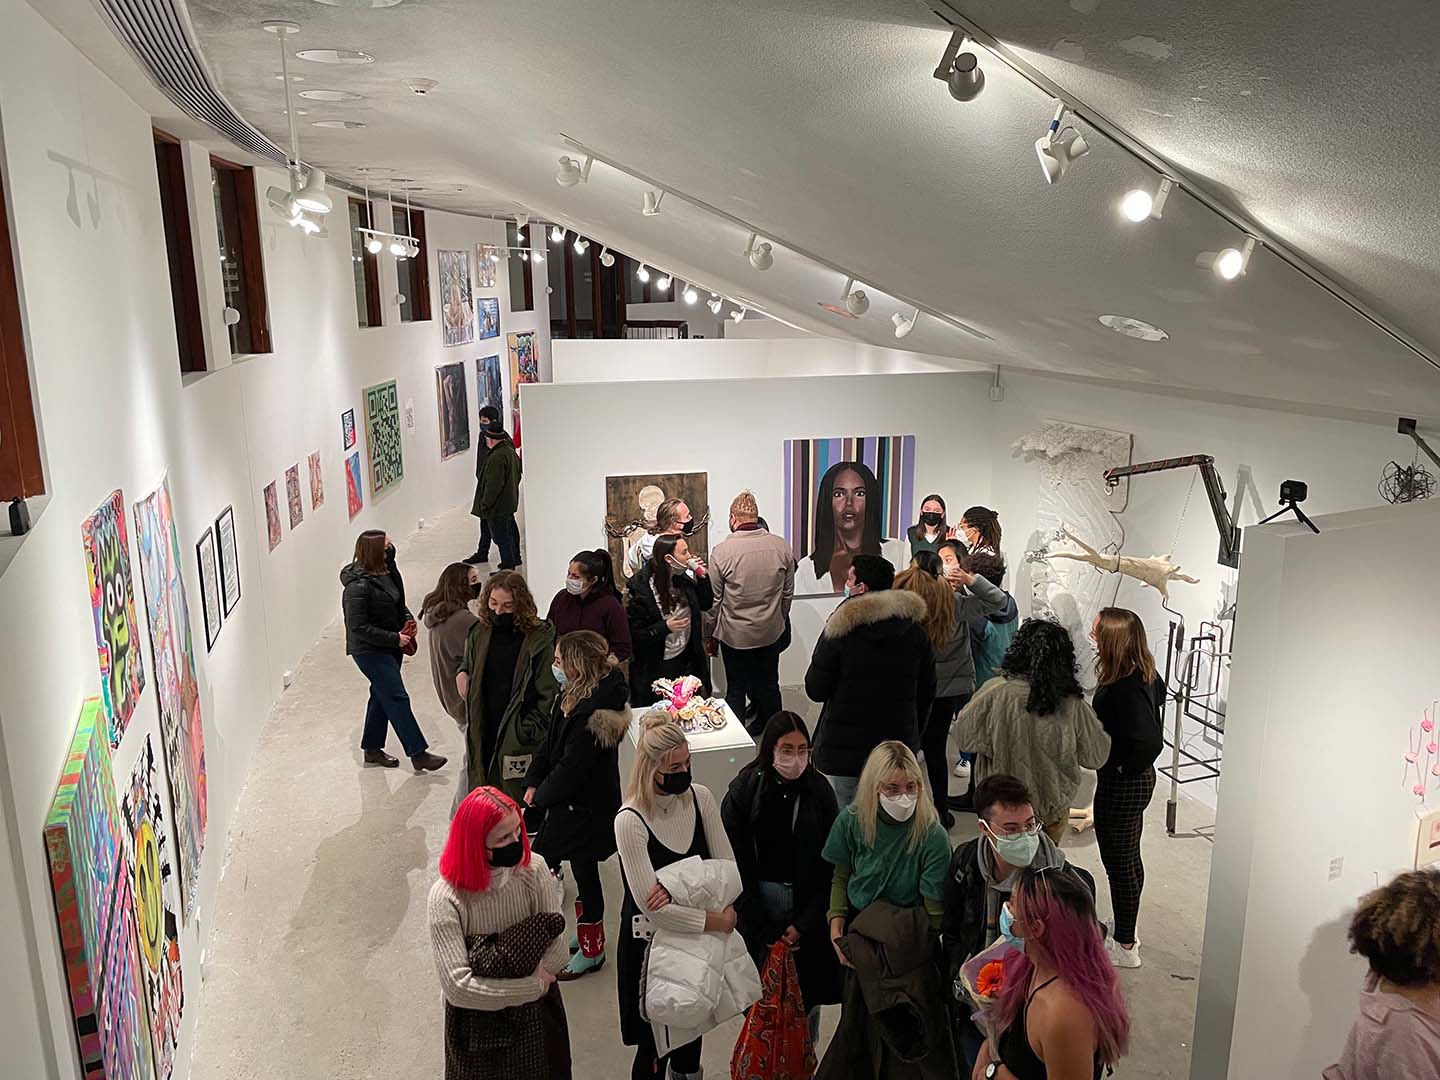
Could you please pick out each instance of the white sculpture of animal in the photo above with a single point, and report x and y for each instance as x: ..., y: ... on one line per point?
x: 1157, y: 571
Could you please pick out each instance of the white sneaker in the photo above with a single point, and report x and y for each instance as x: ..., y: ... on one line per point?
x: 1122, y: 957
x: 962, y: 768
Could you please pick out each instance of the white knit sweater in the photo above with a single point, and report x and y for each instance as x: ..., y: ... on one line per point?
x: 455, y: 914
x: 673, y: 823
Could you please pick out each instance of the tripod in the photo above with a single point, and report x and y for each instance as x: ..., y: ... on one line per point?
x: 1288, y: 506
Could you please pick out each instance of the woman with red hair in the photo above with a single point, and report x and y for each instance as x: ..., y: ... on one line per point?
x: 494, y: 892
x: 1061, y: 1012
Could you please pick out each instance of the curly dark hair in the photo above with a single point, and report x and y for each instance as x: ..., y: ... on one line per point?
x: 1397, y: 929
x: 1043, y: 654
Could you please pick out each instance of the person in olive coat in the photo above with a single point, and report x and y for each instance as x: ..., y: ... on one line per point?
x: 665, y: 602
x: 497, y: 494
x: 574, y: 782
x: 489, y: 417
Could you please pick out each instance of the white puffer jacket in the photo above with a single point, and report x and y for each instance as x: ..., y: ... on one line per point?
x: 695, y: 982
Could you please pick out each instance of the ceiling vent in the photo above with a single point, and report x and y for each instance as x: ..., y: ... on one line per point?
x: 158, y: 34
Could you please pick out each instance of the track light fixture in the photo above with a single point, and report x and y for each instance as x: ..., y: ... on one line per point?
x: 739, y: 316
x: 643, y: 273
x: 903, y: 326
x: 1060, y: 147
x: 571, y: 172
x: 398, y: 248
x: 537, y: 255
x: 856, y: 302
x: 606, y: 259
x: 714, y: 304
x: 557, y: 234
x: 1139, y: 205
x: 664, y: 283
x: 310, y: 197
x: 521, y: 221
x: 652, y: 203
x: 690, y: 296
x: 759, y: 254
x: 374, y: 245
x: 959, y: 70
x: 1230, y: 263
x: 581, y: 245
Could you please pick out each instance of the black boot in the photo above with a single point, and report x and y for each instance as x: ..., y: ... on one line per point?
x: 380, y: 757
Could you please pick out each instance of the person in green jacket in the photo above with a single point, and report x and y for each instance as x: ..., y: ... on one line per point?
x: 508, y: 686
x: 497, y: 495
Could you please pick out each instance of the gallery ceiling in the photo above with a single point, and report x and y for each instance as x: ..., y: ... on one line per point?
x: 819, y: 123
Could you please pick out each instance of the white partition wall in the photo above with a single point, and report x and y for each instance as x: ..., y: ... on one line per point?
x: 1335, y: 661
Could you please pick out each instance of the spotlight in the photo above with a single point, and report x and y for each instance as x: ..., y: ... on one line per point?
x: 494, y: 256
x: 312, y: 196
x: 412, y: 249
x: 524, y: 256
x: 966, y: 80
x: 690, y: 295
x: 556, y: 234
x: 307, y: 224
x: 664, y: 283
x: 281, y: 201
x: 652, y: 203
x: 759, y: 254
x: 521, y: 222
x: 739, y: 316
x: 537, y: 256
x: 856, y: 302
x: 643, y: 274
x: 571, y: 172
x: 1139, y: 204
x: 1059, y: 148
x: 398, y: 248
x: 714, y: 304
x: 606, y: 259
x: 1230, y: 264
x: 581, y: 245
x: 374, y: 245
x: 903, y: 326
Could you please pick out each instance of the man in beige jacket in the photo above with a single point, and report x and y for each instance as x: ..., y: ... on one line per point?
x: 753, y: 575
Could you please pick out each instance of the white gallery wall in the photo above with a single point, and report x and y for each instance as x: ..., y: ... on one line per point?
x: 610, y: 360
x: 81, y: 181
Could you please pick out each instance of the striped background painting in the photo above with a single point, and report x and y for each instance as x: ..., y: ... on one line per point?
x: 890, y: 457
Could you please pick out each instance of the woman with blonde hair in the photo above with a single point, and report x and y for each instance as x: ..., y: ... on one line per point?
x: 574, y: 782
x: 665, y: 818
x: 1130, y: 702
x: 508, y: 683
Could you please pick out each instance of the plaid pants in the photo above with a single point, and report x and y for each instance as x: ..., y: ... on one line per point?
x: 1120, y: 803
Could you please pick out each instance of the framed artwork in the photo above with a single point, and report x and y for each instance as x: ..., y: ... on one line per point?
x: 292, y: 495
x: 112, y: 606
x: 845, y: 497
x: 457, y: 304
x: 229, y: 559
x: 454, y: 405
x: 347, y: 428
x: 487, y: 309
x: 382, y: 436
x: 354, y: 486
x: 272, y: 516
x: 523, y: 369
x: 630, y: 505
x: 489, y: 384
x: 94, y: 909
x: 152, y: 883
x: 182, y: 731
x: 317, y: 482
x: 485, y: 266
x: 209, y: 587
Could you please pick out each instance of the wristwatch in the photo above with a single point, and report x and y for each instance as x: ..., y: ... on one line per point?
x: 992, y: 1070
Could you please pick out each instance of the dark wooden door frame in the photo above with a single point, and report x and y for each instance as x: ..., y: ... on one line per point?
x: 22, y: 474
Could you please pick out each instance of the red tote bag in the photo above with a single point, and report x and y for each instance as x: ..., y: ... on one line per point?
x: 775, y: 1042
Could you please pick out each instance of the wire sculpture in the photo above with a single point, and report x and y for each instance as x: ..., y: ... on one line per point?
x: 1406, y: 483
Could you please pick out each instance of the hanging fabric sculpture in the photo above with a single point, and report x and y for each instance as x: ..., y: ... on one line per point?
x: 1157, y: 571
x: 775, y: 1042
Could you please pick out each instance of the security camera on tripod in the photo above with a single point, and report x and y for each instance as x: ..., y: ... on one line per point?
x: 1292, y: 494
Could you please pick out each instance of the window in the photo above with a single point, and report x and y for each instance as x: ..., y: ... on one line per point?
x: 522, y: 281
x: 366, y: 265
x: 21, y: 475
x: 180, y: 250
x: 413, y: 273
x: 241, y: 264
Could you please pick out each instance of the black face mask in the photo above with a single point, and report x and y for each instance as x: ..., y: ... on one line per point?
x: 932, y: 519
x: 476, y: 590
x: 503, y: 622
x: 675, y: 783
x: 390, y: 555
x: 507, y: 856
x: 688, y: 527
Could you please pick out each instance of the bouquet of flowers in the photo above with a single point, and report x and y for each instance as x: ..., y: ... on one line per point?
x: 982, y: 979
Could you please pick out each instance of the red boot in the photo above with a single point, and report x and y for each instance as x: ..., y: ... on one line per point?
x: 591, y: 956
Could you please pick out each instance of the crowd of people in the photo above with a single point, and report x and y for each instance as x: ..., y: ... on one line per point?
x: 836, y: 838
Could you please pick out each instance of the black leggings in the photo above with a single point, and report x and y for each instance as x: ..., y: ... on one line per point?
x: 933, y: 742
x: 649, y: 1066
x: 1120, y: 802
x: 589, y: 895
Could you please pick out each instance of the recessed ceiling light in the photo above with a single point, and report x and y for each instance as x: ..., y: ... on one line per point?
x: 335, y: 56
x: 280, y: 77
x: 1124, y: 324
x: 359, y: 3
x: 298, y: 112
x: 348, y: 125
x: 329, y: 95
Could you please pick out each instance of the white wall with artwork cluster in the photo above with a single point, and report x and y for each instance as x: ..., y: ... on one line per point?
x: 119, y: 421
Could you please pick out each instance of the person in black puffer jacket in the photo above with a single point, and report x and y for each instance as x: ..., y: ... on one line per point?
x: 574, y: 780
x: 665, y: 602
x: 378, y: 628
x: 874, y: 671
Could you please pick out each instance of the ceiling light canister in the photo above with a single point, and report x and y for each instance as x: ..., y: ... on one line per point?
x: 966, y: 80
x: 1230, y: 263
x: 739, y: 316
x: 903, y: 326
x: 374, y: 245
x: 1060, y: 147
x: 643, y: 274
x: 572, y: 172
x: 312, y: 196
x: 664, y: 283
x: 397, y: 247
x: 1139, y: 205
x: 714, y: 304
x: 652, y: 203
x: 856, y: 302
x: 606, y: 259
x: 690, y: 296
x: 557, y: 234
x: 581, y: 245
x: 759, y: 254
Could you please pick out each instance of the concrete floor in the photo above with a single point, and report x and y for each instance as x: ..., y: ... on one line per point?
x: 319, y: 963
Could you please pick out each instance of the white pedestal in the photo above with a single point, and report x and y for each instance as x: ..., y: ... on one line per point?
x: 715, y: 756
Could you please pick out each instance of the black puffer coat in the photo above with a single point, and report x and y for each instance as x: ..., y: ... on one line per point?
x: 576, y: 775
x: 648, y: 632
x: 374, y: 609
x: 874, y: 671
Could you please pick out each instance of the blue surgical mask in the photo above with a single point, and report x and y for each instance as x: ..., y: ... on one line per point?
x: 847, y: 592
x: 1007, y: 928
x: 559, y: 673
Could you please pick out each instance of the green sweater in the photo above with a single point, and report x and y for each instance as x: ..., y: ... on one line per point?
x: 888, y: 869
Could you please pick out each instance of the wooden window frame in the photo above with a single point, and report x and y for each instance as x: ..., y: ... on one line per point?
x: 180, y: 252
x: 369, y: 265
x: 527, y: 273
x: 419, y: 304
x: 252, y: 262
x: 22, y: 473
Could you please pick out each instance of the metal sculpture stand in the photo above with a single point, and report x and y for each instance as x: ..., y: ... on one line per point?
x: 1195, y: 703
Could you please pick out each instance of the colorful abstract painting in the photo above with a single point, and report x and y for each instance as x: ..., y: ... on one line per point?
x: 489, y: 383
x: 845, y: 497
x: 524, y: 368
x: 454, y: 405
x: 487, y: 310
x: 182, y: 732
x: 347, y: 428
x: 94, y: 909
x: 457, y: 305
x: 112, y: 603
x: 382, y: 436
x: 354, y: 486
x: 273, y: 530
x: 152, y: 882
x: 292, y: 495
x: 317, y: 482
x: 486, y: 260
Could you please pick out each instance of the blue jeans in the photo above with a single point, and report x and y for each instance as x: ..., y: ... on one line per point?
x: 777, y: 900
x: 389, y: 701
x: 507, y: 538
x: 844, y: 788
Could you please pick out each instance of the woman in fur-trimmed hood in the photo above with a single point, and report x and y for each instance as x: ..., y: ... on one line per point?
x: 873, y: 670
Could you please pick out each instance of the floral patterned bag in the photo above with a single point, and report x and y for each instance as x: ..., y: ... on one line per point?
x: 775, y: 1042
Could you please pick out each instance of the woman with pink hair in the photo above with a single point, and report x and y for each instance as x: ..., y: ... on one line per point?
x: 498, y: 938
x: 1060, y: 1011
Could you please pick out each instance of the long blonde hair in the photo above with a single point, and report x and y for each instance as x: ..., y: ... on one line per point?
x: 585, y: 658
x: 659, y: 734
x: 891, y: 756
x: 939, y: 622
x: 1121, y: 647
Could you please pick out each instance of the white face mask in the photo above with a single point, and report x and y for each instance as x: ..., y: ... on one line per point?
x: 899, y: 807
x: 574, y: 586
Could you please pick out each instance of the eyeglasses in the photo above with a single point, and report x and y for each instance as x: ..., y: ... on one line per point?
x: 1030, y: 828
x: 792, y: 755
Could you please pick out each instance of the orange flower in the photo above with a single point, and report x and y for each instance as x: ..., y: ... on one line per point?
x: 988, y: 982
